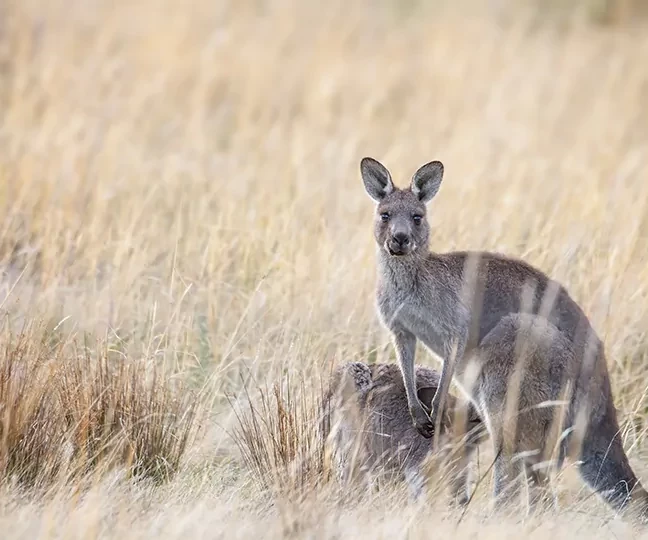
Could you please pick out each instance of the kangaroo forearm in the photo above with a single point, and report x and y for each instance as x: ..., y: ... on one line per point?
x: 439, y: 400
x: 405, y: 345
x: 452, y: 356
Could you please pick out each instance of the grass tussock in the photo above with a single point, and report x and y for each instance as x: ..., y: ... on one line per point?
x: 280, y: 434
x: 67, y: 412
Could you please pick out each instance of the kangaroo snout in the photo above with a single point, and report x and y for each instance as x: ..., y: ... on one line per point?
x: 399, y: 243
x: 401, y: 238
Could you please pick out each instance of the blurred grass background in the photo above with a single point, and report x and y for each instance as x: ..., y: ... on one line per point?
x: 179, y: 189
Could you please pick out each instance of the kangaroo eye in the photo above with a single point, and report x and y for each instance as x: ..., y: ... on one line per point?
x: 417, y: 219
x: 384, y: 216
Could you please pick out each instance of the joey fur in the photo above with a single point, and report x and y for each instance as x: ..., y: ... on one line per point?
x: 370, y: 432
x: 460, y: 304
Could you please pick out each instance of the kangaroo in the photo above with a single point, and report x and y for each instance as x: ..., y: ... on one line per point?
x: 456, y: 302
x: 369, y: 429
x: 518, y: 406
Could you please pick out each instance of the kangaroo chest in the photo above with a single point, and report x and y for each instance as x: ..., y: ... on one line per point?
x: 430, y: 314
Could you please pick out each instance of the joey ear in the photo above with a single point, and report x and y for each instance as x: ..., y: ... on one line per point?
x: 426, y: 181
x: 426, y: 394
x: 376, y: 178
x: 473, y: 416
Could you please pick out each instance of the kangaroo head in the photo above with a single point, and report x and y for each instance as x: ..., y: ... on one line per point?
x: 473, y: 419
x: 401, y: 227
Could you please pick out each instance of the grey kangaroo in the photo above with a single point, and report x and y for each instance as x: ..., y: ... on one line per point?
x: 370, y: 432
x: 469, y: 309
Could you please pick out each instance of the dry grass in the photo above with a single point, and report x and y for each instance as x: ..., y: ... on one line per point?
x: 68, y: 414
x: 279, y: 434
x: 179, y: 182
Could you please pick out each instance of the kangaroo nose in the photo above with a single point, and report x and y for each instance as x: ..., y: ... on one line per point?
x: 401, y: 238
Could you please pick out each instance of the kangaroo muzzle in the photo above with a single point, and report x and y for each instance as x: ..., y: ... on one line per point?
x: 399, y: 243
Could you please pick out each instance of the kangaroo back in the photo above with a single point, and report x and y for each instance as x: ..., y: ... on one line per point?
x: 371, y: 432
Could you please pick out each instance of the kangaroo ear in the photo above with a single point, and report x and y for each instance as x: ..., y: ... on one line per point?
x: 473, y: 416
x: 426, y: 394
x: 426, y: 181
x: 376, y: 178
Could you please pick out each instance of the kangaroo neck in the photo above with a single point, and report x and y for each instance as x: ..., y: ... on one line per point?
x: 400, y: 272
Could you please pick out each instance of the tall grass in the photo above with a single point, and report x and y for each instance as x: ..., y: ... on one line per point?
x: 67, y: 412
x: 281, y: 438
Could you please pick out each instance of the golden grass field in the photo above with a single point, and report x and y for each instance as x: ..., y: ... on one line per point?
x: 183, y: 223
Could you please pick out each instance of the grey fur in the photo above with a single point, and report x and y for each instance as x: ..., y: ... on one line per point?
x: 376, y: 178
x: 370, y: 431
x: 464, y: 307
x: 427, y: 181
